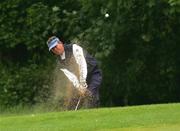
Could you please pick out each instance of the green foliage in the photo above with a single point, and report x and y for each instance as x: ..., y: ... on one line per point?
x: 25, y: 86
x: 24, y: 57
x: 138, y: 47
x: 136, y: 43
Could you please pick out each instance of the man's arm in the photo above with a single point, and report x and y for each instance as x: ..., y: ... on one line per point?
x: 94, y: 76
x: 80, y: 59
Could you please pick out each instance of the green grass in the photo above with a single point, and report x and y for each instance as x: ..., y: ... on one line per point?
x: 164, y: 117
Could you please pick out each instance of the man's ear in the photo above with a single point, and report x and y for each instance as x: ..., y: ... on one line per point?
x: 60, y: 42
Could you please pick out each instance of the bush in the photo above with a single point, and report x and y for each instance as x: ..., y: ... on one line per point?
x: 26, y: 85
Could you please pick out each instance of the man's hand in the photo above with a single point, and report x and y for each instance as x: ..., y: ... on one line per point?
x: 82, y: 87
x: 83, y: 84
x: 84, y: 92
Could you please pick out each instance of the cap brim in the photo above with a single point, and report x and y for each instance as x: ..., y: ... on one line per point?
x: 53, y: 45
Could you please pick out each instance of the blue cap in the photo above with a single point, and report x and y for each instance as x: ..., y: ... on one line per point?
x: 52, y: 42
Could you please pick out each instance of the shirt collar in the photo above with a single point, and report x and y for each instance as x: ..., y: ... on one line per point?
x: 63, y: 56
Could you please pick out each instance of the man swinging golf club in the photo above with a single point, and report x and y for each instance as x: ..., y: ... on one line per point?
x: 80, y: 68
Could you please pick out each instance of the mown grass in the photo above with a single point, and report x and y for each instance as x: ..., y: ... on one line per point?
x: 165, y: 117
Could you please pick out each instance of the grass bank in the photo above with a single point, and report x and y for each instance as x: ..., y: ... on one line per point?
x: 165, y: 117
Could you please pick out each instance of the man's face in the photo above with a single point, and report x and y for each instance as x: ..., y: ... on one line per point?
x: 58, y: 49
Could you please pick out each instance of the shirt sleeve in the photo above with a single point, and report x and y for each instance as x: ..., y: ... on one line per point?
x: 80, y: 60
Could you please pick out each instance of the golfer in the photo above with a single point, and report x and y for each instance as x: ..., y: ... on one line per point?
x: 81, y: 70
